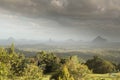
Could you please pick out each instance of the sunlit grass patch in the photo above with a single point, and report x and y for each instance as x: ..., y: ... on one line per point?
x: 109, y: 76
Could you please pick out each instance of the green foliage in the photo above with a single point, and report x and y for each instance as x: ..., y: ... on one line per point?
x: 17, y: 64
x: 76, y: 69
x: 4, y: 57
x: 48, y: 62
x: 64, y: 74
x: 99, y: 65
x: 32, y: 72
x: 16, y: 67
x: 4, y: 71
x: 72, y: 67
x: 12, y: 48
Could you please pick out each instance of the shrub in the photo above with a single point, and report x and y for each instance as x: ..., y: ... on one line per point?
x: 99, y: 65
x: 76, y: 69
x: 4, y: 71
x: 64, y: 74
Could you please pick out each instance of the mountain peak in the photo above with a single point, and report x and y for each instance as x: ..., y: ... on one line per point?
x: 99, y: 39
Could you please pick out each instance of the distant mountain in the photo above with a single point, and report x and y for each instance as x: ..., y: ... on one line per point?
x: 11, y: 40
x: 99, y: 39
x: 7, y: 41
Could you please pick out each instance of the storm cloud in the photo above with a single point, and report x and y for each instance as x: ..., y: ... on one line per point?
x: 63, y: 7
x: 74, y: 18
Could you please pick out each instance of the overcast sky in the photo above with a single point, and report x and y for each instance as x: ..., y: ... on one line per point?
x: 60, y: 19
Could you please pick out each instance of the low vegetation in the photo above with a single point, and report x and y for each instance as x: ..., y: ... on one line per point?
x: 48, y: 66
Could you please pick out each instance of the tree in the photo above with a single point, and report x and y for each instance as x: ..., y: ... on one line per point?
x: 99, y: 65
x: 48, y: 62
x: 12, y: 48
x: 4, y: 71
x: 32, y: 72
x: 16, y: 67
x: 64, y: 74
x: 76, y: 69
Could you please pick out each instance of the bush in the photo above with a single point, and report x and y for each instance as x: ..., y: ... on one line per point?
x: 32, y: 72
x: 76, y: 69
x: 64, y: 74
x: 98, y: 65
x: 48, y: 62
x: 4, y: 71
x: 14, y: 66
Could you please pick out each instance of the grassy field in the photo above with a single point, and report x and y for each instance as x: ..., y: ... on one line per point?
x: 110, y: 76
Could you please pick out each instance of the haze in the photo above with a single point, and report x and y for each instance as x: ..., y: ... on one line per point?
x: 60, y: 19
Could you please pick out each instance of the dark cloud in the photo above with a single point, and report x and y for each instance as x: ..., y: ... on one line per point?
x: 95, y: 17
x: 63, y: 7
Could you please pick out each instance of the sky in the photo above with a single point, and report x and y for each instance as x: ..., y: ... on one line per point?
x: 60, y: 19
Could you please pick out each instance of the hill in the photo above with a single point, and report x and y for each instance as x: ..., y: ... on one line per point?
x: 99, y: 39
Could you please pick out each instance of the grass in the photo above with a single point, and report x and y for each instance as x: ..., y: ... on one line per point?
x: 110, y: 76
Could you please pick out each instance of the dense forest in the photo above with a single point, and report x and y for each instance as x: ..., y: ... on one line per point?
x: 48, y: 66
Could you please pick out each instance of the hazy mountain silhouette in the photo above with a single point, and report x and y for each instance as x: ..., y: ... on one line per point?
x: 11, y: 40
x: 7, y: 41
x: 99, y: 39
